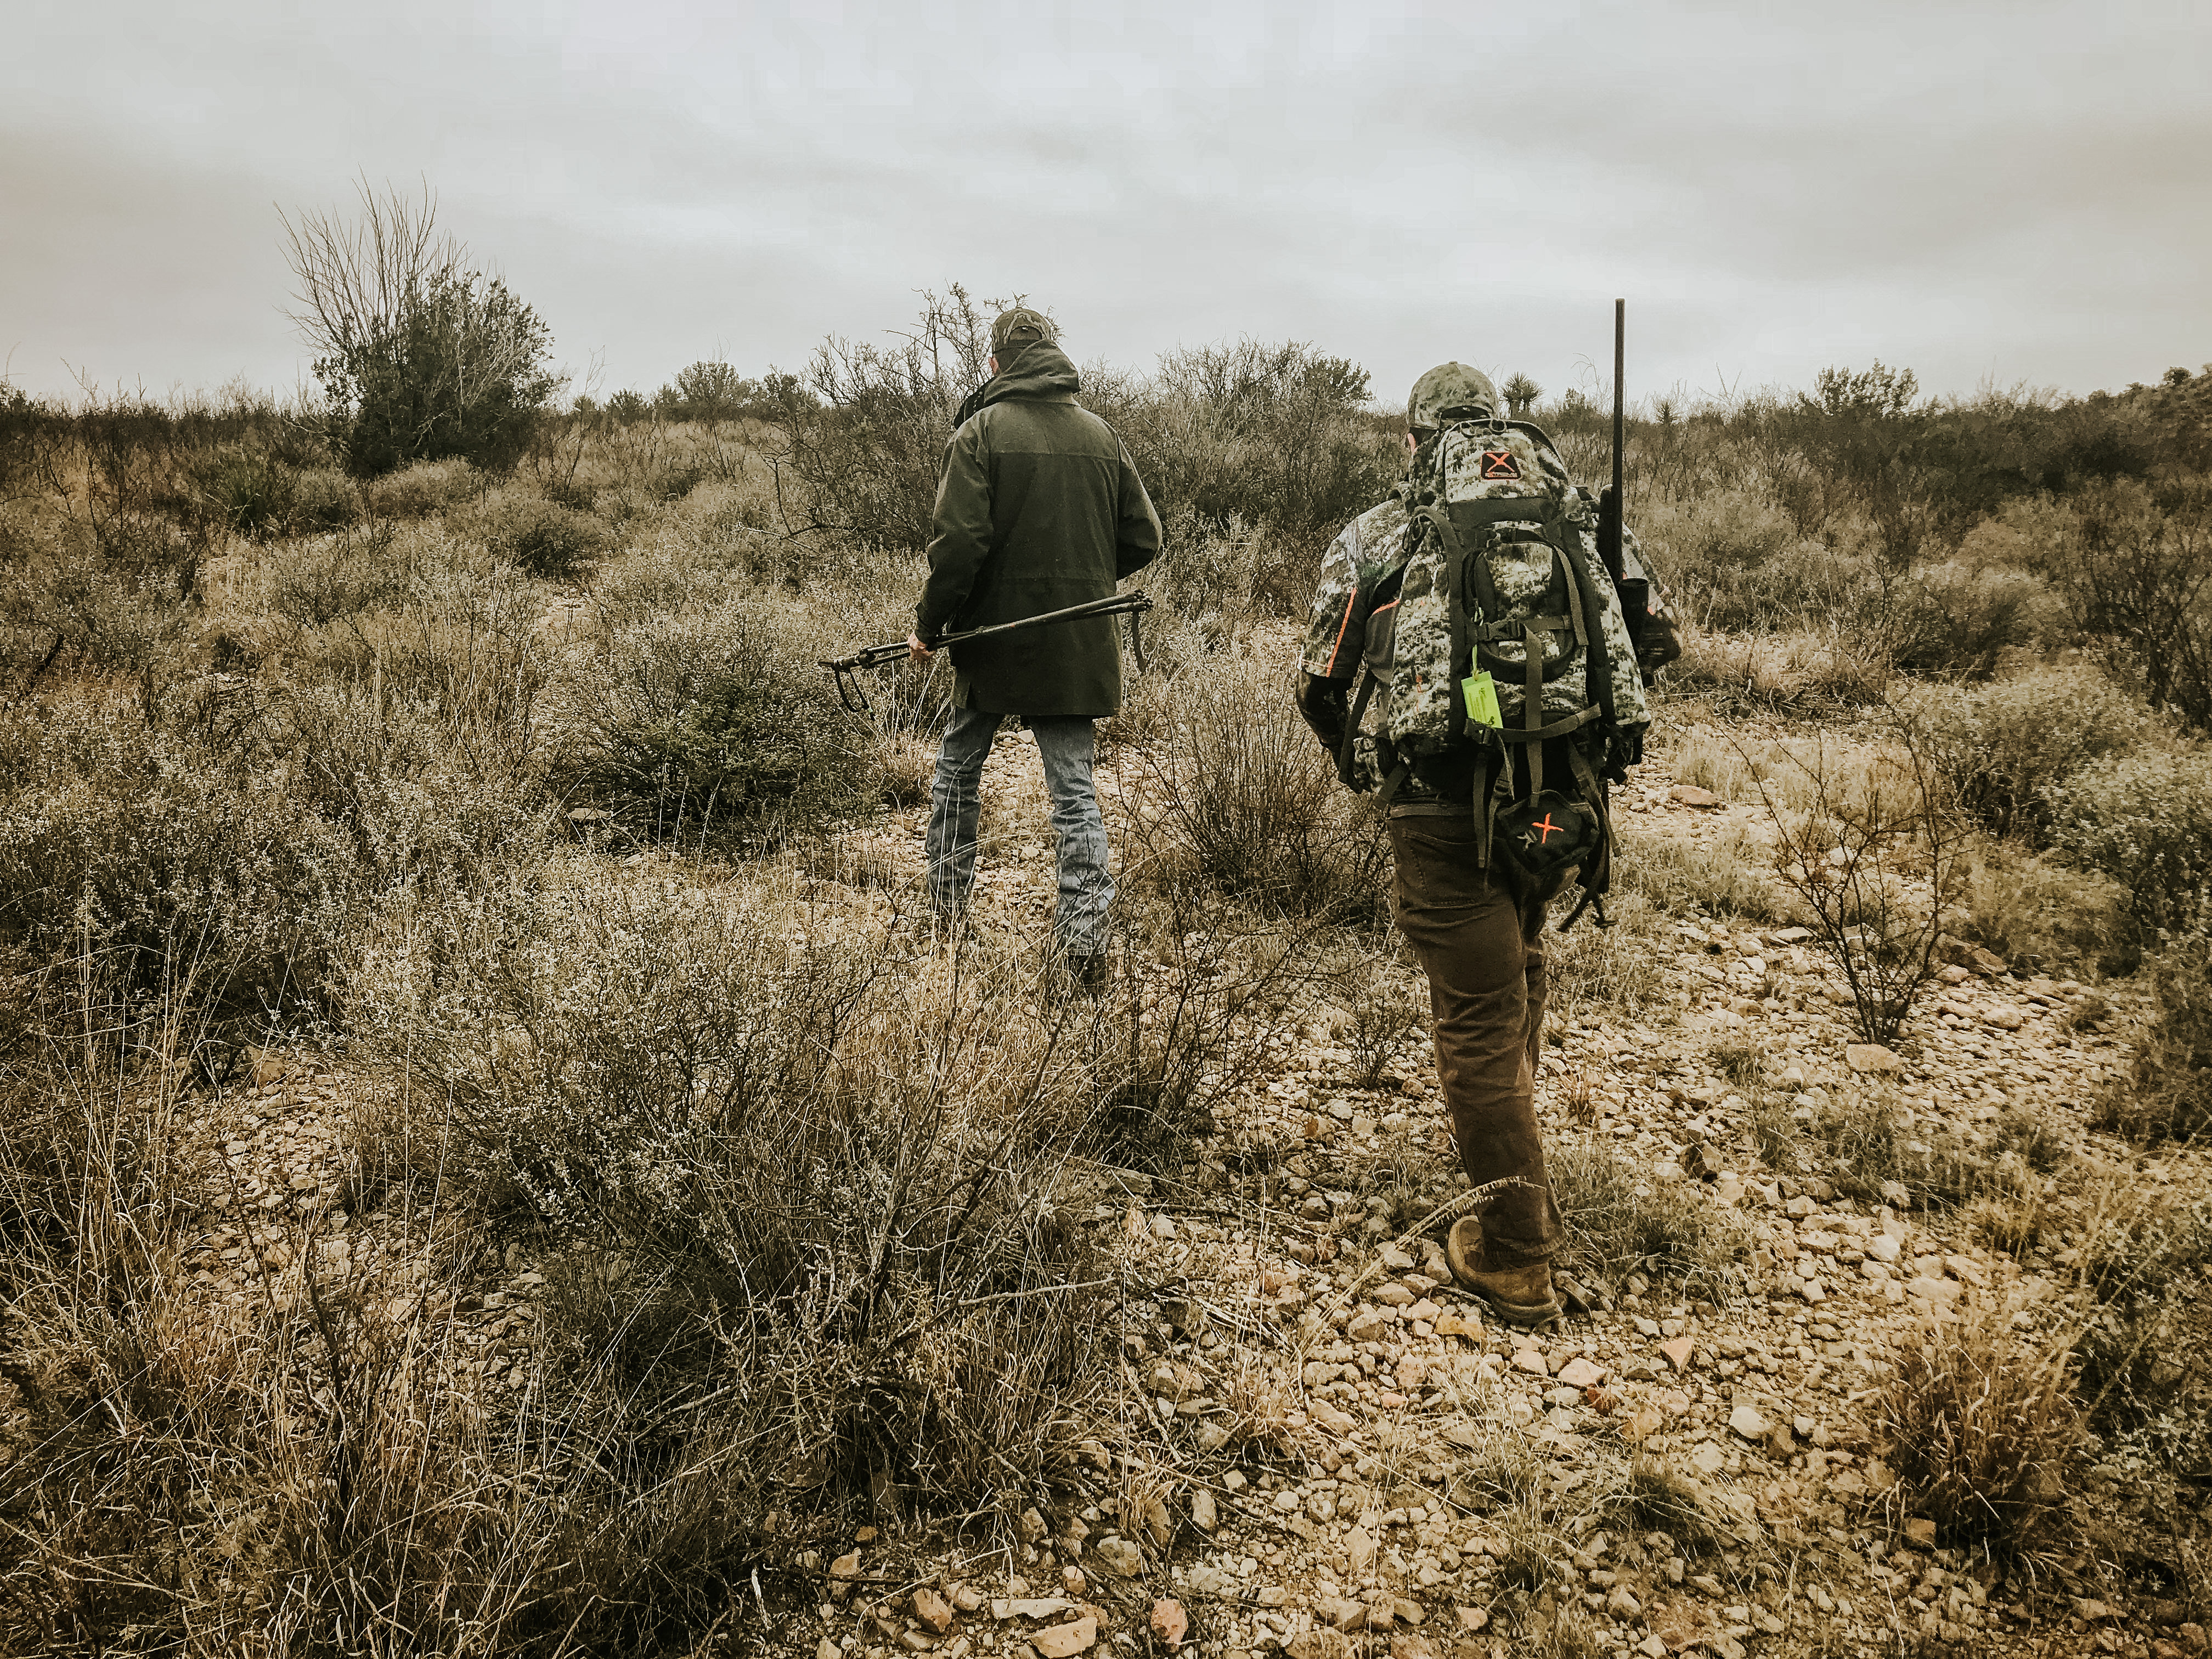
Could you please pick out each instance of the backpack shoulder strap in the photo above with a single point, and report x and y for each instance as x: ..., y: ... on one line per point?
x: 1597, y: 656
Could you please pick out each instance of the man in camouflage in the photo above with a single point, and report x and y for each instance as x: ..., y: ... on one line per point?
x: 1476, y: 930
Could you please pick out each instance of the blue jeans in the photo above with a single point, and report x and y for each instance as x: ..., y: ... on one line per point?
x: 956, y: 804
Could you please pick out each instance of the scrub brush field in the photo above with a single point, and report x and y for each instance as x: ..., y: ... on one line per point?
x: 496, y: 1160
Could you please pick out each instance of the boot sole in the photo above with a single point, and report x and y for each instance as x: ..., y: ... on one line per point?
x: 1522, y: 1315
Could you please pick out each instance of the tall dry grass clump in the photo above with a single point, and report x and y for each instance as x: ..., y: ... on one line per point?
x: 1980, y: 1423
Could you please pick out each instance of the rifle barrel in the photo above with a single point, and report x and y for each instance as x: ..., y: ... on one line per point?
x: 1620, y: 423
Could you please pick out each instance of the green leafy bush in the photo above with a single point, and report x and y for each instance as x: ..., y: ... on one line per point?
x: 719, y: 719
x: 420, y: 355
x: 543, y: 539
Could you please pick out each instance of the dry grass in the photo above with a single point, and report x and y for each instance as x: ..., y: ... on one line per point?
x: 1980, y: 1426
x: 2166, y: 1094
x: 2048, y: 917
x: 1747, y: 673
x: 798, y: 1204
x: 1244, y: 802
x: 1622, y: 1219
x: 810, y: 1190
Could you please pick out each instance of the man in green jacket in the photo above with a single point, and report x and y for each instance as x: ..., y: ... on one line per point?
x: 1038, y: 508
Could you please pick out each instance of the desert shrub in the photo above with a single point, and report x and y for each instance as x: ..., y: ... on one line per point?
x: 2144, y: 819
x: 1957, y: 618
x: 1176, y: 643
x: 316, y: 583
x: 1784, y: 771
x: 111, y: 621
x: 1272, y: 437
x: 1622, y: 1219
x: 2037, y: 912
x: 167, y: 861
x: 1979, y: 1423
x: 2001, y: 746
x: 909, y: 768
x: 1384, y: 1007
x: 249, y: 490
x: 1653, y: 1496
x: 1204, y: 984
x: 735, y: 1113
x: 2139, y: 572
x: 1247, y: 802
x: 425, y: 487
x: 419, y: 356
x: 1761, y: 671
x: 545, y: 539
x: 2167, y: 1091
x: 2143, y: 1253
x: 1876, y: 858
x: 324, y: 498
x: 228, y: 855
x: 306, y: 1461
x: 712, y: 390
x: 1734, y: 561
x: 415, y: 793
x: 866, y: 432
x: 716, y: 718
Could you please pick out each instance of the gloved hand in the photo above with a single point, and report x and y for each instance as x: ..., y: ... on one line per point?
x: 1623, y: 749
x: 1325, y: 705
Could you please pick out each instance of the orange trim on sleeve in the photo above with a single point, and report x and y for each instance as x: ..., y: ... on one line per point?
x: 1336, y: 648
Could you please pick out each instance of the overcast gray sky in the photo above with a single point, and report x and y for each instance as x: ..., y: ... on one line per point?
x: 2003, y: 193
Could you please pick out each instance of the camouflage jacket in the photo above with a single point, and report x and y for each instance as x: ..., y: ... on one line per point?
x: 1414, y: 704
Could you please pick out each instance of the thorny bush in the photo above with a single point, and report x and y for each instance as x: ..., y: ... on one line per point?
x: 816, y: 1179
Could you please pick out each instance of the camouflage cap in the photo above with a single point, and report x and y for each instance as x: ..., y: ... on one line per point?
x: 1449, y: 391
x: 1021, y: 324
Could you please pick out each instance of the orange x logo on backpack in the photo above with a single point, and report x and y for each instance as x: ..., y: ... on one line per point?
x: 1500, y: 463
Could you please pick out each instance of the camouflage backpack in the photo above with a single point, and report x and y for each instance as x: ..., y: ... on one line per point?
x: 1489, y: 636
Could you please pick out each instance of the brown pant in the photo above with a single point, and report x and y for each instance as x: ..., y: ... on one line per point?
x: 1478, y: 937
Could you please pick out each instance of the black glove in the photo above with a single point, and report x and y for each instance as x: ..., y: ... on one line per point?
x: 1623, y: 749
x: 1325, y: 705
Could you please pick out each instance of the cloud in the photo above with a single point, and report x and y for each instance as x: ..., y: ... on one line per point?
x: 1974, y: 190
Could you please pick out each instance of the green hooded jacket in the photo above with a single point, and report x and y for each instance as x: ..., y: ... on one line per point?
x: 1038, y: 508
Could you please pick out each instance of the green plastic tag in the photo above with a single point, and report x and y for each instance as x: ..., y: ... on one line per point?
x: 1481, y: 692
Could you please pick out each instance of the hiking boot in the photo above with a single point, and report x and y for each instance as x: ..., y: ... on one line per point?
x: 1519, y: 1296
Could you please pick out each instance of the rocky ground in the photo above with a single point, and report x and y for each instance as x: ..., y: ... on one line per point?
x: 1326, y: 1450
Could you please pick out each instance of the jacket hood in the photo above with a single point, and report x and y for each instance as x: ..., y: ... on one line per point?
x: 1038, y: 369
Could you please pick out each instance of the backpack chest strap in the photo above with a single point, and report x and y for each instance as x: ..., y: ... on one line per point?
x: 1492, y: 633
